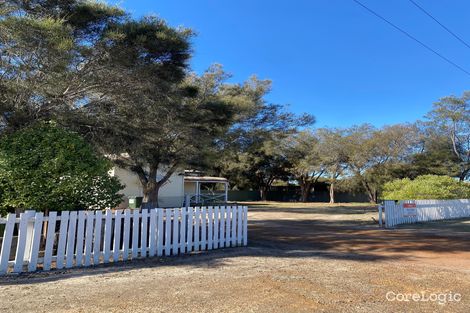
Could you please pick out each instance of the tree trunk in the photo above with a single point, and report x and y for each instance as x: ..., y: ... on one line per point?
x: 332, y: 193
x: 150, y: 189
x: 305, y: 187
x: 263, y: 193
x: 463, y: 175
x: 151, y: 186
x: 151, y: 195
x: 370, y: 193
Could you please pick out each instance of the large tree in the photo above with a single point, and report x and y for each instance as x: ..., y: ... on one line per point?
x: 332, y: 148
x: 155, y: 133
x: 451, y: 116
x: 432, y: 154
x: 263, y: 165
x: 117, y: 80
x: 370, y: 151
x: 307, y: 165
x: 250, y: 152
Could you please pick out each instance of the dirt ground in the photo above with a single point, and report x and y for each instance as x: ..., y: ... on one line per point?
x: 300, y: 258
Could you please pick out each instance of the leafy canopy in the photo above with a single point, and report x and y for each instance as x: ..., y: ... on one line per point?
x: 44, y: 167
x: 53, y: 57
x: 250, y: 151
x: 451, y: 117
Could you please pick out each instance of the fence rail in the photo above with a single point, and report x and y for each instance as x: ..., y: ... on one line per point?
x: 83, y: 238
x: 207, y: 198
x: 414, y: 211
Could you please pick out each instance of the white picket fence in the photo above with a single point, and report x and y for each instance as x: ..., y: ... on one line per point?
x: 414, y: 211
x: 84, y: 238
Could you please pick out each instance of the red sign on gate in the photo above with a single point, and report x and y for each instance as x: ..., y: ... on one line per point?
x: 409, y: 209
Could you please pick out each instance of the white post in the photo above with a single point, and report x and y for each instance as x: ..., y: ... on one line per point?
x: 29, y: 236
x: 389, y: 210
x: 380, y: 215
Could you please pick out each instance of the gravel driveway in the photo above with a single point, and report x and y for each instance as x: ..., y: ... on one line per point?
x: 300, y: 258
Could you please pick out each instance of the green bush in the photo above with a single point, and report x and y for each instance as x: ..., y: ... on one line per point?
x: 45, y: 167
x: 426, y: 187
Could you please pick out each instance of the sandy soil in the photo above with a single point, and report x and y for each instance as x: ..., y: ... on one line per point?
x: 300, y: 258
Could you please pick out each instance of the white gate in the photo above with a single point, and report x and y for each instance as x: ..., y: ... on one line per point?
x: 83, y: 238
x: 413, y: 211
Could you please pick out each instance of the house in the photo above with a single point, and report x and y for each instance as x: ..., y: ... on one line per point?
x: 182, y: 186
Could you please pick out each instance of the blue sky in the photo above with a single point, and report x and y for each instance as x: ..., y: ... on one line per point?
x: 330, y: 58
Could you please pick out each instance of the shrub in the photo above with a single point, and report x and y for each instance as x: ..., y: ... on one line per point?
x: 45, y: 167
x: 426, y: 187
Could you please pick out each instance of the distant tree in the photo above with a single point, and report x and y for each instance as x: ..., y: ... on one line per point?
x: 44, y: 167
x: 430, y: 154
x: 264, y: 165
x: 333, y: 153
x: 370, y: 151
x: 306, y: 163
x: 426, y: 187
x: 433, y: 155
x: 437, y: 159
x: 451, y: 116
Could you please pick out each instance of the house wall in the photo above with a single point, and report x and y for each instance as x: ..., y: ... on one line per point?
x: 171, y: 194
x: 130, y: 181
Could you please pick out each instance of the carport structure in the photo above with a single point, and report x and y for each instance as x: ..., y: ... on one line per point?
x: 206, y: 189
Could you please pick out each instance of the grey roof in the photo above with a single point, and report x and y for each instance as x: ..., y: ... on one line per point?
x: 205, y: 179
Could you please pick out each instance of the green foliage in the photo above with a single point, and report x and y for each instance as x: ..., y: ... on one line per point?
x: 426, y: 187
x: 435, y: 158
x: 53, y: 57
x: 370, y: 153
x: 332, y: 149
x: 251, y: 152
x: 450, y: 117
x: 302, y: 151
x: 44, y: 167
